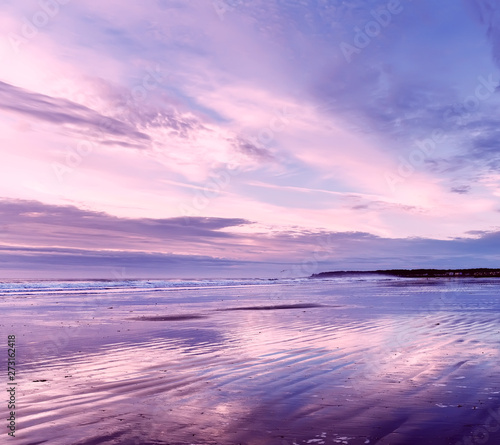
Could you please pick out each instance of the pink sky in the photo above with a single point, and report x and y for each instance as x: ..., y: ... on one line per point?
x: 118, y: 122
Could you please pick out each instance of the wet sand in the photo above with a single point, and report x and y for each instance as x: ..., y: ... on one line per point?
x: 392, y: 361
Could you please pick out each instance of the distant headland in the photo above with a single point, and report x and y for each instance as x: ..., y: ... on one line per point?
x: 416, y: 273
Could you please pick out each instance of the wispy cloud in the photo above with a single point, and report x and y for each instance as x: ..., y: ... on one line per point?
x: 34, y: 223
x: 252, y: 118
x: 61, y: 237
x: 62, y: 112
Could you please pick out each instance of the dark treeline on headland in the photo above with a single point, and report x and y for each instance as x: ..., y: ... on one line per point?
x: 416, y: 273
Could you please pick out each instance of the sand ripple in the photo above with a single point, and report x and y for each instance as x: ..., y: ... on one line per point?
x: 316, y: 363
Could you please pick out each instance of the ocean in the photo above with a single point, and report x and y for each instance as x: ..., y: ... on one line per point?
x: 348, y: 360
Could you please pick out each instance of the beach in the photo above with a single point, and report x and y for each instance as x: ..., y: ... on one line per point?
x: 350, y: 360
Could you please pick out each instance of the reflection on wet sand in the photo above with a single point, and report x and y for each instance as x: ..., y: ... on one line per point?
x: 360, y: 363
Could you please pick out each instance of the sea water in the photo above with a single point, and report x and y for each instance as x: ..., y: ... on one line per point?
x: 350, y: 360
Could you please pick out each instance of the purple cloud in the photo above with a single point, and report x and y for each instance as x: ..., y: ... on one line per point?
x: 60, y: 111
x: 38, y: 237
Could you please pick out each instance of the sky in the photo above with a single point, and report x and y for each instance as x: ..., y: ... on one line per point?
x: 247, y: 138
